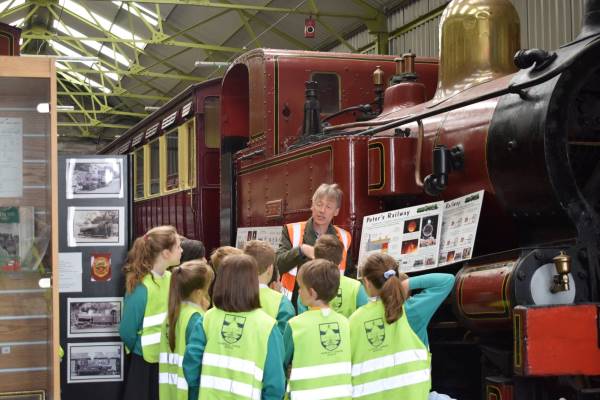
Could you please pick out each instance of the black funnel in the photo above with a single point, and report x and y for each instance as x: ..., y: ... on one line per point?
x: 591, y: 19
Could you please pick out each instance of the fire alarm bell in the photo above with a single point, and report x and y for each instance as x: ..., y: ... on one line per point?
x: 309, y: 28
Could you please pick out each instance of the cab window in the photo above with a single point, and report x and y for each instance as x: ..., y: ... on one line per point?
x: 329, y: 91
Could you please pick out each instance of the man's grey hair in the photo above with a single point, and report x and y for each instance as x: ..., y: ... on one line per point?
x: 330, y: 191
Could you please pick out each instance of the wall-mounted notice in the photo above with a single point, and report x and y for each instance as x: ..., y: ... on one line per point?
x: 11, y: 157
x: 410, y: 235
x: 459, y: 227
x: 69, y: 272
x: 269, y: 234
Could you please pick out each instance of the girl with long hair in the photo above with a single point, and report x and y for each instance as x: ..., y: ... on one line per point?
x: 147, y: 284
x: 188, y: 301
x: 390, y: 348
x: 237, y: 352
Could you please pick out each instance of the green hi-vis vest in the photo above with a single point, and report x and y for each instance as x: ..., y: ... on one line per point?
x: 345, y: 300
x: 321, y: 364
x: 388, y: 361
x: 171, y: 381
x: 235, y: 354
x: 154, y: 314
x: 270, y: 300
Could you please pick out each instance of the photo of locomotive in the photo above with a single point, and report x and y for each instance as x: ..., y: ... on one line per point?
x: 523, y: 125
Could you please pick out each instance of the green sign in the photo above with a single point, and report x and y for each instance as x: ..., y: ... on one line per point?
x: 9, y: 215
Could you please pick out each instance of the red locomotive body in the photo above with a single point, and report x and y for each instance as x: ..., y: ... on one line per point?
x: 269, y: 170
x: 176, y: 164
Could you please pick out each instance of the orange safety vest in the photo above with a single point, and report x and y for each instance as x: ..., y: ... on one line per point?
x: 296, y: 233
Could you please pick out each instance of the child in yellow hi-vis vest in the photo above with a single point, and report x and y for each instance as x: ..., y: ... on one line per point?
x: 351, y: 294
x: 237, y: 351
x: 318, y: 340
x: 147, y: 284
x: 390, y: 351
x: 272, y: 302
x: 188, y: 301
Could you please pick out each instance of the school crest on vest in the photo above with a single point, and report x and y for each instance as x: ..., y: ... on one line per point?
x: 375, y: 330
x: 336, y: 303
x: 232, y: 328
x: 329, y: 335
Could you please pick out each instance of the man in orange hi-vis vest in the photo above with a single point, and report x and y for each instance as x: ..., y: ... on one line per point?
x: 297, y: 239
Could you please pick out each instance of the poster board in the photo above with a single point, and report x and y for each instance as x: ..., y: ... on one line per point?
x: 426, y: 236
x: 95, y: 233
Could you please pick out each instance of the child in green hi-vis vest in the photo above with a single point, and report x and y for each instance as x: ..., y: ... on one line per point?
x: 318, y: 341
x: 188, y: 301
x: 147, y: 284
x: 237, y: 351
x: 272, y: 302
x: 390, y: 351
x: 351, y: 293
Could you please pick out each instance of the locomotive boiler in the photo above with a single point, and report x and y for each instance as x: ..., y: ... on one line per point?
x: 523, y: 125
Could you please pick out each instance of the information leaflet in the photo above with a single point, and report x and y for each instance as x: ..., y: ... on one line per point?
x: 269, y: 234
x: 459, y: 227
x: 410, y: 235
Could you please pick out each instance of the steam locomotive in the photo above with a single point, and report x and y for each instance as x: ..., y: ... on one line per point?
x: 522, y: 125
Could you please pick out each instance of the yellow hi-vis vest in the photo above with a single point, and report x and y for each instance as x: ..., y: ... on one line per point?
x: 154, y: 314
x: 171, y: 381
x: 296, y: 233
x: 235, y: 355
x: 321, y: 363
x: 389, y: 361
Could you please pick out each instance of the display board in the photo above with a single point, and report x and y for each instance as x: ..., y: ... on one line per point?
x: 94, y: 239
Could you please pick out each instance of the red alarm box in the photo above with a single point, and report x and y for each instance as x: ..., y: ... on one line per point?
x: 309, y: 28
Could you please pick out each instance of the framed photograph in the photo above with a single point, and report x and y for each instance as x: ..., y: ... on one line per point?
x: 93, y: 316
x: 95, y: 362
x: 96, y: 226
x: 92, y: 178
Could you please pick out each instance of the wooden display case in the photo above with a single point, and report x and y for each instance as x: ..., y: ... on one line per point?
x: 29, y: 333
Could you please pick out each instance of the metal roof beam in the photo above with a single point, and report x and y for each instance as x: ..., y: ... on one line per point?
x: 115, y: 94
x: 282, y: 10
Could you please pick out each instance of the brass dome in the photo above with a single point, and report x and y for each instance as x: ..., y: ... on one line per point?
x: 478, y: 39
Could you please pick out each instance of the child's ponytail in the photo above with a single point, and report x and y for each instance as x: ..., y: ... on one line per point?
x: 175, y: 299
x: 185, y: 279
x: 382, y: 271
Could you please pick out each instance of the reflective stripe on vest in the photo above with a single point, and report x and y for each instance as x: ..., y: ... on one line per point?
x: 171, y: 381
x: 389, y: 361
x: 154, y: 314
x: 324, y: 372
x: 296, y: 234
x: 234, y: 358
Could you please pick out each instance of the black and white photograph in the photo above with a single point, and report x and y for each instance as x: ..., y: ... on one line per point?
x: 94, y: 316
x: 95, y: 362
x: 89, y: 178
x: 96, y: 226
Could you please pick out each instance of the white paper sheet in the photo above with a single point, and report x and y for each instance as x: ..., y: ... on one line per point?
x: 11, y: 157
x: 70, y: 272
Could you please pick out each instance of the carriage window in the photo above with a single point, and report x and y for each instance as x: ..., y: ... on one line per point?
x: 212, y: 131
x: 172, y: 139
x: 189, y: 130
x: 154, y: 167
x: 139, y: 173
x: 329, y: 91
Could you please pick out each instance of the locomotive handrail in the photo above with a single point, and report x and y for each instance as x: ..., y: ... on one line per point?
x: 420, y: 139
x: 384, y: 125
